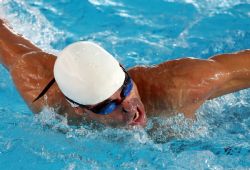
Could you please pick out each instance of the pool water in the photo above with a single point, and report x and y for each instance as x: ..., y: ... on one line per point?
x: 137, y: 33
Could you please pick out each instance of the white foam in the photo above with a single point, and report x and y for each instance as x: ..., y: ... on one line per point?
x: 31, y: 24
x: 211, y: 6
x: 105, y: 3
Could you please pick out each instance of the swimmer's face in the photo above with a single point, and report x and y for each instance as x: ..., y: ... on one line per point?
x: 129, y: 112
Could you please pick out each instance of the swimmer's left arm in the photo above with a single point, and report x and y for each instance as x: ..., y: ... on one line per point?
x: 184, y: 84
x: 195, y: 80
x: 237, y: 66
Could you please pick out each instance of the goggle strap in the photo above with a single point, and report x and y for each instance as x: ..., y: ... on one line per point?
x: 74, y: 102
x: 45, y: 89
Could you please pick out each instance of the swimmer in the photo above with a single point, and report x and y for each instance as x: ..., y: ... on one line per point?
x: 85, y: 82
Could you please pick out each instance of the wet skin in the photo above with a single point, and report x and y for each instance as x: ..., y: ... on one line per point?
x: 171, y: 87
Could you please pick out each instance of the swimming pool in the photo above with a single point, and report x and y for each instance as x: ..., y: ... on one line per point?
x: 135, y: 32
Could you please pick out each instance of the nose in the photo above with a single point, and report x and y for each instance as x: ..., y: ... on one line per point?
x: 129, y: 107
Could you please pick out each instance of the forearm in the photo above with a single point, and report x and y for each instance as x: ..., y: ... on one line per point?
x: 237, y: 66
x: 12, y: 46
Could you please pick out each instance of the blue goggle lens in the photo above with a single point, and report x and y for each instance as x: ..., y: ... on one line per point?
x: 112, y: 105
x: 127, y: 89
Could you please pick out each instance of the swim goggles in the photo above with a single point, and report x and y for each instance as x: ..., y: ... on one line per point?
x: 108, y: 105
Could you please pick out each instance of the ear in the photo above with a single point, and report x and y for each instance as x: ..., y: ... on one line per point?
x: 79, y: 111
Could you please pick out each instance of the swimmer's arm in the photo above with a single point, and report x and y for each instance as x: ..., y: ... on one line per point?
x: 199, y: 80
x: 237, y: 68
x: 183, y: 85
x: 13, y: 45
x: 31, y: 69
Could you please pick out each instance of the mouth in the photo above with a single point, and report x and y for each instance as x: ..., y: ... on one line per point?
x: 139, y: 118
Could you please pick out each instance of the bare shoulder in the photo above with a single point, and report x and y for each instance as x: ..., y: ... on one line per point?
x: 137, y: 70
x: 141, y: 75
x: 31, y: 73
x: 180, y: 85
x: 180, y: 71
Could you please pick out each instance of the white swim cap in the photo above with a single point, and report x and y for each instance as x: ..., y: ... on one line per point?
x: 87, y: 74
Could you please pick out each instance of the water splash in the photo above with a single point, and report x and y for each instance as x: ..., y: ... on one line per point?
x: 41, y: 31
x: 218, y: 139
x: 105, y: 3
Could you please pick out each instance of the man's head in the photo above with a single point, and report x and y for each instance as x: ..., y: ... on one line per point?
x: 97, y: 86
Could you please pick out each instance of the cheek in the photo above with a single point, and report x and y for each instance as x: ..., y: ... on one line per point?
x: 117, y: 115
x: 92, y: 116
x: 116, y: 118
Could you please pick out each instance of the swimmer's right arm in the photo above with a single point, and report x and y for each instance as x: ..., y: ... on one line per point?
x: 30, y: 68
x: 13, y: 45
